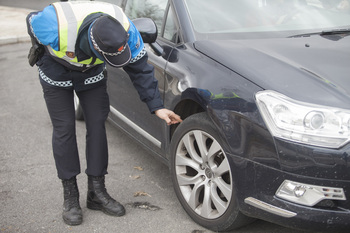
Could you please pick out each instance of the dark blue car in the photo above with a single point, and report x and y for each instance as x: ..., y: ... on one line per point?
x: 263, y: 87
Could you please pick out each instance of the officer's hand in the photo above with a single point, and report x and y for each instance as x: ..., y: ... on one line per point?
x: 169, y: 116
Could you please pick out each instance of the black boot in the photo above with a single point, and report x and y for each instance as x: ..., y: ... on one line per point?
x: 99, y: 199
x: 72, y: 214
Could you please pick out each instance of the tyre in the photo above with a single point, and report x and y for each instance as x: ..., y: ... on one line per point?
x: 202, y: 176
x: 79, y: 115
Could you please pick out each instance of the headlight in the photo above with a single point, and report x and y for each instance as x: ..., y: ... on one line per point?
x: 304, y: 122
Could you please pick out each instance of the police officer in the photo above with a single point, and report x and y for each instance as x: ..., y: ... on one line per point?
x: 78, y: 39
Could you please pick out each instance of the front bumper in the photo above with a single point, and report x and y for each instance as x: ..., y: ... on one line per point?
x: 256, y: 190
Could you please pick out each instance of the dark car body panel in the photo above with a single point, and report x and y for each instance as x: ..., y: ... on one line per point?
x: 296, y: 67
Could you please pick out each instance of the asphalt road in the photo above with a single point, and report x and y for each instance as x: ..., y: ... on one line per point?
x: 30, y: 192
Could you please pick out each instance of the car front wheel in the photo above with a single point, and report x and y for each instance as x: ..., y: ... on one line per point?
x: 202, y: 176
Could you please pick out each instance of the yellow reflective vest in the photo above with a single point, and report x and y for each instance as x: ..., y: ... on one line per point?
x: 70, y: 17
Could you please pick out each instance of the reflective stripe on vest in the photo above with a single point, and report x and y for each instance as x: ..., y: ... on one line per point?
x: 70, y: 16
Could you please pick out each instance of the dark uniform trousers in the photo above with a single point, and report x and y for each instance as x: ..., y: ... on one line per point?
x: 95, y: 105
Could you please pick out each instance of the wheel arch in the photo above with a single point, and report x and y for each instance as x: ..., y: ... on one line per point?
x: 193, y: 101
x: 185, y: 108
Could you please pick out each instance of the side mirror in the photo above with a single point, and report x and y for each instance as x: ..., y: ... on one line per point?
x: 147, y: 29
x: 149, y: 32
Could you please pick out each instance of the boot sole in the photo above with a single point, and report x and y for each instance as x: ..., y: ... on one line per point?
x: 93, y: 206
x: 68, y: 222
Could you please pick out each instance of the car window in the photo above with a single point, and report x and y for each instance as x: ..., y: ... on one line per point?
x: 170, y: 28
x: 153, y: 9
x: 221, y: 16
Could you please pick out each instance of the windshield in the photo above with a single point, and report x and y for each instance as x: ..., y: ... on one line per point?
x: 242, y: 16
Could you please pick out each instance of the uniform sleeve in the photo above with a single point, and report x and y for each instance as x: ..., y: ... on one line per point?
x: 44, y: 27
x: 135, y: 43
x: 142, y: 76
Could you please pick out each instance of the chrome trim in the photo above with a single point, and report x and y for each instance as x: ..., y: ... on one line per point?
x: 269, y: 208
x: 136, y: 127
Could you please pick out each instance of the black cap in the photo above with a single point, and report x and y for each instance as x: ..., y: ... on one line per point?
x: 110, y: 39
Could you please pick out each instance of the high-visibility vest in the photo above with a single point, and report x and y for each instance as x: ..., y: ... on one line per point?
x: 70, y: 17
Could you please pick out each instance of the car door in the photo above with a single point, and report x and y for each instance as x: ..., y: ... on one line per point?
x: 127, y: 110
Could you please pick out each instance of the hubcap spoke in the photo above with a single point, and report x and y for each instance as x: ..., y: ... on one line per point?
x: 206, y: 206
x: 213, y: 150
x: 225, y: 189
x: 184, y: 161
x: 189, y: 144
x: 219, y: 204
x: 193, y: 200
x: 188, y: 180
x: 200, y: 139
x: 223, y: 168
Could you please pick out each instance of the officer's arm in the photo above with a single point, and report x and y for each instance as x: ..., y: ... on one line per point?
x: 142, y: 76
x: 43, y: 27
x: 28, y: 20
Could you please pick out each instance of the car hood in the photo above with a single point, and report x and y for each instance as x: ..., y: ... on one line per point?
x: 313, y: 69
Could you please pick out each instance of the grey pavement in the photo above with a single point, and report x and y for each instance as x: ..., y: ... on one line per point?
x: 13, y: 27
